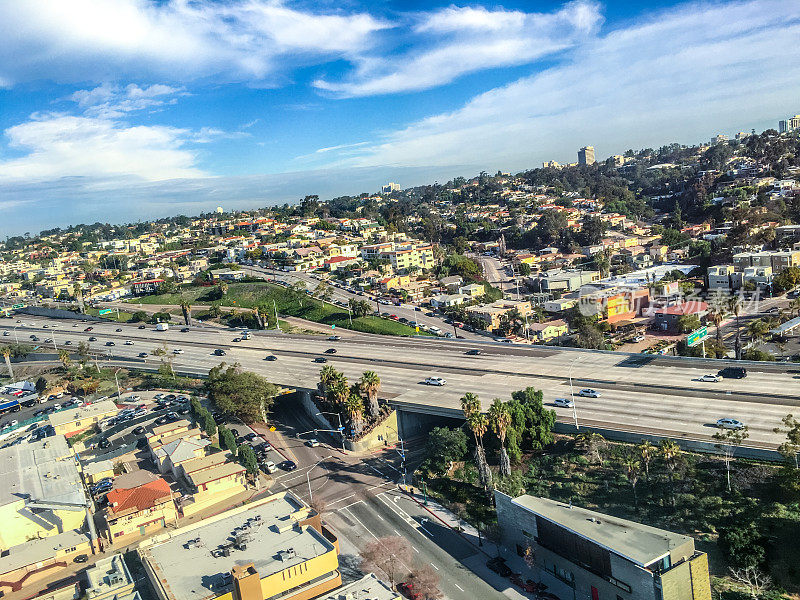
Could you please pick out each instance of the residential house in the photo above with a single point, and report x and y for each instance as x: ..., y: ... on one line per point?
x: 139, y: 511
x: 492, y: 314
x: 548, y: 331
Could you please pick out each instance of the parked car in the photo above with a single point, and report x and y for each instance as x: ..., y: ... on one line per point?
x: 139, y: 430
x: 104, y: 443
x: 439, y: 381
x: 81, y: 558
x: 589, y: 393
x: 563, y: 402
x: 729, y: 423
x: 269, y: 466
x: 288, y: 465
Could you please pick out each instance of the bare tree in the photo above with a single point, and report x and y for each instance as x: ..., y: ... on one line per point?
x: 727, y: 441
x: 318, y: 504
x: 389, y: 555
x: 426, y: 582
x: 755, y: 581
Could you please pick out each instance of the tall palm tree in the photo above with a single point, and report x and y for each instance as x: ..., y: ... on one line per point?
x: 7, y: 355
x: 371, y: 384
x: 339, y: 392
x: 186, y: 309
x: 500, y: 420
x: 354, y: 406
x: 646, y: 451
x: 735, y: 305
x: 715, y: 315
x: 631, y: 466
x: 327, y: 375
x: 670, y: 453
x: 478, y: 424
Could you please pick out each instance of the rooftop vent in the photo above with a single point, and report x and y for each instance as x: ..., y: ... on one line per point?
x: 287, y: 554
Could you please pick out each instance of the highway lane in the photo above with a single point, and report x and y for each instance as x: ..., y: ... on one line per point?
x: 658, y: 398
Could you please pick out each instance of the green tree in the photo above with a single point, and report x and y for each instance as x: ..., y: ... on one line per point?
x: 228, y: 440
x: 247, y: 458
x: 138, y: 317
x: 370, y: 383
x: 41, y: 385
x: 500, y: 420
x: 742, y: 543
x: 688, y: 323
x: 209, y: 424
x: 443, y: 447
x: 242, y: 393
x: 524, y: 269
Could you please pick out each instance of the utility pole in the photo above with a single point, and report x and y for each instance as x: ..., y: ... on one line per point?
x: 572, y: 393
x: 277, y: 325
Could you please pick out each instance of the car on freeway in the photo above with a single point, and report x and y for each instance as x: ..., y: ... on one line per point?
x: 334, y: 338
x: 733, y: 372
x: 435, y: 381
x: 729, y: 423
x: 288, y: 465
x: 710, y: 378
x: 48, y: 340
x: 219, y: 352
x: 128, y: 343
x: 177, y: 351
x: 237, y: 339
x: 6, y: 333
x: 92, y: 338
x: 142, y: 326
x: 330, y: 351
x: 88, y: 328
x: 312, y: 443
x: 589, y: 393
x: 270, y: 357
x: 118, y: 329
x: 68, y: 343
x: 320, y: 359
x: 142, y: 354
x: 184, y: 329
x: 473, y: 352
x: 563, y: 402
x: 110, y: 343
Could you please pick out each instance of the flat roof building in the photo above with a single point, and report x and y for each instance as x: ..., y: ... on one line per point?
x: 273, y: 548
x: 368, y: 587
x: 72, y: 421
x: 599, y: 556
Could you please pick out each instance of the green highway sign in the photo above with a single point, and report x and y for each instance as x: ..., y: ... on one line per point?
x: 105, y: 311
x: 17, y: 306
x: 697, y: 336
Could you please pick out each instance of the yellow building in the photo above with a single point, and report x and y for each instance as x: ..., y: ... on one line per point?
x: 544, y: 332
x: 44, y: 471
x: 272, y: 548
x: 138, y: 511
x: 75, y: 420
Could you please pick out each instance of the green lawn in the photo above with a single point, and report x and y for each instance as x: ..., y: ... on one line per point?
x: 124, y: 317
x: 288, y: 302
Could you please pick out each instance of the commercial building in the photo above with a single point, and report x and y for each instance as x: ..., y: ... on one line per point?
x: 273, y: 548
x: 110, y: 579
x: 600, y: 557
x: 75, y: 420
x: 789, y: 125
x: 390, y: 187
x: 567, y: 280
x: 31, y: 475
x: 138, y: 511
x: 368, y: 587
x: 586, y: 155
x: 146, y: 286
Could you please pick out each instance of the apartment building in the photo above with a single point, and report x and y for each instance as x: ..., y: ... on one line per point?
x: 778, y: 261
x: 594, y: 556
x: 138, y: 511
x: 271, y: 548
x: 76, y: 420
x: 492, y: 314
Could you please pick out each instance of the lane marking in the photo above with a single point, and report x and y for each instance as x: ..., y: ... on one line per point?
x: 342, y: 499
x: 360, y: 523
x: 351, y: 504
x: 458, y: 586
x: 414, y: 548
x: 435, y: 567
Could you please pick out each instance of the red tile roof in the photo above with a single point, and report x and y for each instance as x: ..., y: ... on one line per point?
x: 687, y: 308
x: 140, y: 498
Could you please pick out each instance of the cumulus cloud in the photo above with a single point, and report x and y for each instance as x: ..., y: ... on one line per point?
x: 173, y: 40
x: 113, y: 101
x: 58, y: 145
x: 454, y: 41
x: 676, y: 76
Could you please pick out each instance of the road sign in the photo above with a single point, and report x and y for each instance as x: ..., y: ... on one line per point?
x: 105, y: 311
x: 333, y: 326
x: 17, y: 306
x: 697, y: 336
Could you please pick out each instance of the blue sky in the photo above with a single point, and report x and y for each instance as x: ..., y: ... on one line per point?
x: 118, y: 110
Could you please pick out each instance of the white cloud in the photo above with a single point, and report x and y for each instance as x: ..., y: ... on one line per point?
x: 113, y: 101
x: 681, y: 75
x: 455, y: 41
x: 174, y: 40
x: 59, y: 145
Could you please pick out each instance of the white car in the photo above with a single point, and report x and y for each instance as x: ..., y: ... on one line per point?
x: 312, y: 443
x: 710, y: 378
x: 270, y: 467
x: 638, y: 338
x: 177, y: 351
x: 565, y: 402
x: 728, y: 423
x: 128, y: 343
x: 589, y: 393
x: 435, y: 381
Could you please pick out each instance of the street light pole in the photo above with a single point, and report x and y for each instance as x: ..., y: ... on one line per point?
x: 572, y: 393
x: 116, y: 380
x: 341, y: 429
x: 308, y: 477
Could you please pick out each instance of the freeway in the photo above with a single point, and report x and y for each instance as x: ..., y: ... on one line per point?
x: 637, y: 393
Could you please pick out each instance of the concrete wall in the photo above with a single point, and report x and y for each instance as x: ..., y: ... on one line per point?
x: 384, y: 434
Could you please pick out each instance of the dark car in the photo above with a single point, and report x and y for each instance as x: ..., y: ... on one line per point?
x: 104, y: 443
x: 142, y: 326
x: 219, y: 352
x: 139, y: 430
x: 499, y: 566
x: 287, y: 465
x: 330, y: 351
x: 88, y: 328
x: 118, y: 329
x: 68, y: 343
x: 235, y: 432
x: 110, y: 344
x: 29, y: 403
x: 250, y: 436
x: 81, y: 558
x: 170, y: 397
x: 733, y: 372
x: 162, y: 420
x: 184, y: 329
x: 142, y: 354
x: 320, y: 359
x: 473, y: 352
x: 271, y: 357
x: 34, y: 338
x: 92, y: 339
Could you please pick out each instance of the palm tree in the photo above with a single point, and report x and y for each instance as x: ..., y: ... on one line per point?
x: 500, y: 419
x: 339, y: 391
x: 631, y: 466
x: 735, y: 305
x: 327, y: 375
x: 757, y: 330
x: 7, y: 355
x: 371, y: 384
x: 354, y: 406
x: 186, y: 309
x: 715, y: 315
x: 591, y: 442
x: 646, y: 451
x: 223, y: 288
x: 63, y: 356
x: 670, y: 452
x: 262, y: 314
x: 478, y: 424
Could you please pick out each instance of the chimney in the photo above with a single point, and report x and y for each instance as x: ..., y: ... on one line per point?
x: 246, y: 583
